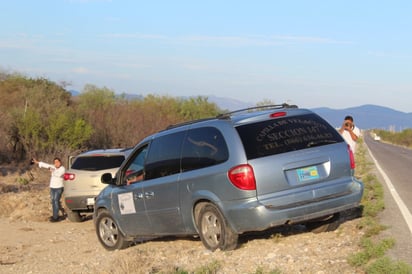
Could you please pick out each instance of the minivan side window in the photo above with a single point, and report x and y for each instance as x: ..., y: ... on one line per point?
x: 163, y: 158
x: 135, y: 169
x: 203, y: 147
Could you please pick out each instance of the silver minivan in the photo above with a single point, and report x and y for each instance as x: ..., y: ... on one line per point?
x: 218, y: 178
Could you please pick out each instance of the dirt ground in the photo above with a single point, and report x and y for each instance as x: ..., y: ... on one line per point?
x: 30, y: 244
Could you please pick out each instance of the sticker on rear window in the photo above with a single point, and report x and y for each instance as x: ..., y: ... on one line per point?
x: 126, y: 203
x: 307, y: 173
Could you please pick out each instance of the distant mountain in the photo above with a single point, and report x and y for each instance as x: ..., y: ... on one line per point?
x: 228, y: 104
x: 365, y: 116
x: 127, y: 96
x: 368, y: 117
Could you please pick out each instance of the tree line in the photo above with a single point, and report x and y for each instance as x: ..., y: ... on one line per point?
x: 40, y: 118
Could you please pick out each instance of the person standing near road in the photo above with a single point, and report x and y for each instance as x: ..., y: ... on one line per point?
x: 350, y: 132
x: 57, y: 171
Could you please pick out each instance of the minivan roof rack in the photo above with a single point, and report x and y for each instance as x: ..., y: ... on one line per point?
x: 264, y: 107
x: 227, y: 114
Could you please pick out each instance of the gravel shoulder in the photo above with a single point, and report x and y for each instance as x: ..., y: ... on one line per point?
x: 30, y: 244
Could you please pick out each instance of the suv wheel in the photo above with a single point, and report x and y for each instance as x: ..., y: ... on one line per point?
x: 214, y: 230
x: 108, y: 232
x: 74, y: 216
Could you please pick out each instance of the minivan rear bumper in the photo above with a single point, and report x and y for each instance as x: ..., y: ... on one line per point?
x: 253, y: 215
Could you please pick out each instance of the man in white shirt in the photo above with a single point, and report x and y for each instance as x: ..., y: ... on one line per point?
x: 350, y: 132
x: 56, y: 185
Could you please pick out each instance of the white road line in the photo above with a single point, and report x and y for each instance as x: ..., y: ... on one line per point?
x: 402, y: 207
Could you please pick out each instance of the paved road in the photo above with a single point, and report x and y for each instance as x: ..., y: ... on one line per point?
x: 395, y: 173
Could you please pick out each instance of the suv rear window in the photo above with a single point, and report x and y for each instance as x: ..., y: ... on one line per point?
x: 101, y: 162
x: 286, y: 134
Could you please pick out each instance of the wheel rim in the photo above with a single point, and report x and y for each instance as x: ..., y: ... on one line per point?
x: 211, y: 229
x: 108, y: 232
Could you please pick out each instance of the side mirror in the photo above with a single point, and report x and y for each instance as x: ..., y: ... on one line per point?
x: 107, y: 178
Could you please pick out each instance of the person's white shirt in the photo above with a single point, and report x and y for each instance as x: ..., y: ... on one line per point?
x: 56, y: 179
x: 348, y: 138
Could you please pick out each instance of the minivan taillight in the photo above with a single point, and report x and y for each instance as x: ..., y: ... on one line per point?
x: 242, y: 177
x: 68, y: 176
x: 351, y: 157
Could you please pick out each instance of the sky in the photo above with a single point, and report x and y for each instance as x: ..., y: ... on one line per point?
x: 335, y: 54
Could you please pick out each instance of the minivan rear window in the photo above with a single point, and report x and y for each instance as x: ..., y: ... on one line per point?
x: 275, y: 136
x: 101, y: 162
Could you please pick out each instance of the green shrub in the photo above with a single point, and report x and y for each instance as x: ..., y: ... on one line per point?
x: 386, y: 265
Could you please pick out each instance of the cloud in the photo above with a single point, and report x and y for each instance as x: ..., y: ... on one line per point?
x: 253, y: 40
x: 88, y: 1
x: 135, y: 36
x: 81, y: 70
x: 309, y: 39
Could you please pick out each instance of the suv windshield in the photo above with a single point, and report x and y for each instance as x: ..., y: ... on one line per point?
x: 286, y: 134
x: 95, y: 163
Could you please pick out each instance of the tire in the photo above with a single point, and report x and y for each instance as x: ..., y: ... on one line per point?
x: 329, y: 223
x: 214, y: 230
x: 108, y: 232
x: 74, y: 216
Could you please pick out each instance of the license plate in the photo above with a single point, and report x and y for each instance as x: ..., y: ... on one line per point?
x: 90, y: 201
x: 307, y: 173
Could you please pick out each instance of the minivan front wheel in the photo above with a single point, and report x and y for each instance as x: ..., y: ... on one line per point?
x: 108, y: 232
x: 214, y: 230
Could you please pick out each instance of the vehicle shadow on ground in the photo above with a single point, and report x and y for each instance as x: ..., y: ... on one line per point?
x: 271, y: 233
x: 295, y: 229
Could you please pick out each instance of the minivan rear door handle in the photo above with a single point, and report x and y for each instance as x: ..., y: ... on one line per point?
x: 149, y: 194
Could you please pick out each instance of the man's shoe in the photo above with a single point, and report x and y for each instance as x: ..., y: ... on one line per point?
x: 53, y: 220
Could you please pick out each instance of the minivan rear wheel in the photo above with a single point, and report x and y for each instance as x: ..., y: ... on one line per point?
x: 214, y: 230
x: 108, y: 232
x: 329, y: 223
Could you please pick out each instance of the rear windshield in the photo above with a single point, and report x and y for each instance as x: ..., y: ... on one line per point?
x: 97, y: 162
x: 286, y: 134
